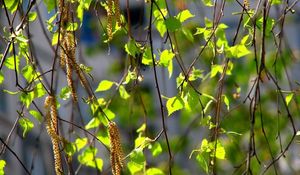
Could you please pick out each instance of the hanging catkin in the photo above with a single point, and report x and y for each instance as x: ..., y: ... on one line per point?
x: 68, y: 47
x: 109, y: 18
x: 117, y: 12
x: 51, y: 126
x: 116, y: 153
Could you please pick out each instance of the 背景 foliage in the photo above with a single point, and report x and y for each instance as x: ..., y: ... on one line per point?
x: 197, y: 93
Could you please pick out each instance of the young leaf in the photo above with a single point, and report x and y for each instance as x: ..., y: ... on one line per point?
x: 154, y: 171
x: 134, y: 167
x: 174, y: 104
x: 184, y: 15
x: 69, y: 148
x: 202, y: 162
x: 104, y: 85
x: 11, y: 5
x: 28, y: 73
x: 147, y: 57
x: 104, y: 138
x: 165, y: 57
x: 132, y: 48
x: 220, y: 151
x: 32, y: 16
x: 208, y: 3
x: 65, y: 93
x: 1, y: 77
x: 95, y: 122
x: 172, y: 24
x: 123, y: 93
x: 2, y: 166
x: 288, y: 98
x: 156, y: 149
x: 26, y: 125
x: 36, y: 115
x: 226, y: 101
x: 80, y: 143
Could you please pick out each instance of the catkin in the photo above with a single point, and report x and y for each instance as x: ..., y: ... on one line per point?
x: 117, y: 12
x: 109, y: 19
x: 116, y: 153
x: 51, y: 126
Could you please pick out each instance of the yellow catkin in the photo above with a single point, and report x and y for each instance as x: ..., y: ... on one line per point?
x: 116, y: 152
x: 70, y: 62
x: 51, y: 126
x: 117, y: 12
x: 109, y: 19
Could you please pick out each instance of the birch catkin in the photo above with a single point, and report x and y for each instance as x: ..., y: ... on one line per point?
x: 52, y: 130
x: 116, y: 152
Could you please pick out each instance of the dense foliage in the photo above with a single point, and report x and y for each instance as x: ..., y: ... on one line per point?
x: 190, y: 92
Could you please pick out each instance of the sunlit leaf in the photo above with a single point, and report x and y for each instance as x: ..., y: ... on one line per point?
x: 28, y: 73
x: 26, y: 125
x: 1, y: 77
x: 220, y: 151
x: 104, y: 138
x: 154, y: 171
x: 32, y: 16
x: 2, y: 166
x: 147, y: 57
x: 156, y: 149
x: 134, y: 167
x: 288, y: 98
x: 80, y: 143
x: 93, y: 123
x: 104, y: 85
x: 208, y: 3
x: 123, y: 93
x: 184, y: 15
x: 12, y: 5
x: 165, y: 57
x: 174, y: 104
x: 226, y: 101
x: 36, y: 115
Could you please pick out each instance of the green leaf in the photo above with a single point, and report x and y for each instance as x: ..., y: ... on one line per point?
x: 134, y: 167
x: 288, y: 98
x: 172, y: 24
x: 220, y: 151
x: 238, y: 51
x: 123, y: 93
x: 147, y: 56
x: 104, y: 85
x: 215, y: 69
x: 137, y: 160
x: 54, y: 39
x: 69, y: 148
x: 208, y: 3
x: 32, y: 16
x: 226, y: 101
x: 174, y: 104
x: 154, y: 171
x: 159, y: 20
x: 141, y: 142
x: 2, y: 166
x: 26, y: 125
x: 184, y: 15
x: 132, y: 48
x: 156, y: 149
x: 269, y: 25
x: 87, y: 157
x: 103, y: 137
x: 26, y: 98
x: 202, y: 162
x: 170, y: 68
x: 95, y: 122
x: 141, y: 128
x: 65, y: 93
x: 165, y: 57
x: 1, y: 77
x: 10, y: 64
x: 39, y: 90
x: 36, y: 115
x: 28, y: 73
x: 12, y: 5
x: 80, y: 143
x: 50, y: 4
